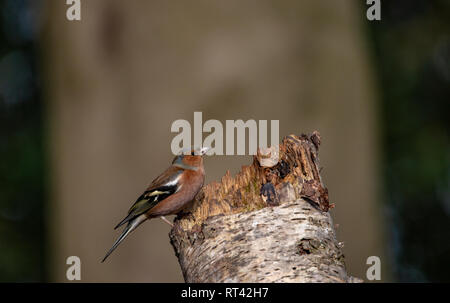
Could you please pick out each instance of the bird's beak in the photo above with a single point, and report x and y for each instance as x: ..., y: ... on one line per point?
x: 204, y: 150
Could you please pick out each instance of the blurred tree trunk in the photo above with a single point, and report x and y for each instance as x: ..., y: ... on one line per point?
x: 118, y: 78
x: 258, y: 227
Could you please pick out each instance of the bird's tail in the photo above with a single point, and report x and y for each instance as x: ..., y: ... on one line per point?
x: 132, y: 225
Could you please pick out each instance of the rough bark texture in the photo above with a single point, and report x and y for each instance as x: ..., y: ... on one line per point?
x: 270, y: 223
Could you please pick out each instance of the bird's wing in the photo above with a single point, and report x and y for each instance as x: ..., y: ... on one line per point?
x: 160, y: 188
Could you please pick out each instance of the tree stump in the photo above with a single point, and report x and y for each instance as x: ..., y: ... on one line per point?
x: 270, y: 223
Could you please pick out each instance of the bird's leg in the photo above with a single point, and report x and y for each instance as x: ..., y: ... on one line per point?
x: 167, y: 221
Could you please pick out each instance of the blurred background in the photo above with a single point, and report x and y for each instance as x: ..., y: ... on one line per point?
x: 86, y: 108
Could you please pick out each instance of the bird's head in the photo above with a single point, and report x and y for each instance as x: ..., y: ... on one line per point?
x: 191, y: 160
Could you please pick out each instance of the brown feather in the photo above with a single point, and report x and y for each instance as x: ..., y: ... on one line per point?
x: 192, y: 182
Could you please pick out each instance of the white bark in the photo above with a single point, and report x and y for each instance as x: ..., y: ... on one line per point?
x: 293, y: 242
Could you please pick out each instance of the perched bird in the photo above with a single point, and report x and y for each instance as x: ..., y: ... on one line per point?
x: 167, y: 194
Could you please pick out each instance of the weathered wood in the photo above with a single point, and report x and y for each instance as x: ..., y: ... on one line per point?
x: 267, y: 224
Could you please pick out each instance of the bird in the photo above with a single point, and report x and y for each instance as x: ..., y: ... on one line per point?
x: 167, y: 194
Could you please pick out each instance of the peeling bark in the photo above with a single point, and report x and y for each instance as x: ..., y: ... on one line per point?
x: 270, y: 223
